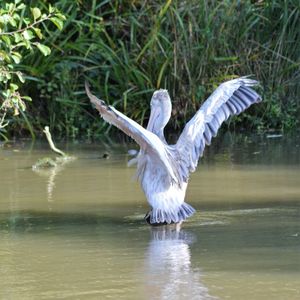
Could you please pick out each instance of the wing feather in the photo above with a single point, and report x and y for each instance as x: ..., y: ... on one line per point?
x: 230, y: 98
x: 148, y: 141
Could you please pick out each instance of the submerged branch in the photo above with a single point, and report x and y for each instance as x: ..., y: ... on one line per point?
x: 51, y: 143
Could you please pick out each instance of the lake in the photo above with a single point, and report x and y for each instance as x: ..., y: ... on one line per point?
x: 77, y: 231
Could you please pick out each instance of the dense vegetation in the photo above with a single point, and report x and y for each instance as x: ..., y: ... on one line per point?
x: 20, y: 33
x: 129, y: 48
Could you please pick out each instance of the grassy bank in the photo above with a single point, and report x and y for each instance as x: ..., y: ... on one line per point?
x: 127, y: 49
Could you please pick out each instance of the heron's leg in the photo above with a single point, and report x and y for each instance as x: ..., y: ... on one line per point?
x: 147, y: 217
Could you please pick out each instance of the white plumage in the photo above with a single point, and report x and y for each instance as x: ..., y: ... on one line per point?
x: 163, y: 170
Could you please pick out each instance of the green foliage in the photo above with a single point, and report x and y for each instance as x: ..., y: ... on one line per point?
x: 127, y: 49
x: 20, y: 33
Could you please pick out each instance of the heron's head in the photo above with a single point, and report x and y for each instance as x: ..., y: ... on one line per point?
x: 160, y: 111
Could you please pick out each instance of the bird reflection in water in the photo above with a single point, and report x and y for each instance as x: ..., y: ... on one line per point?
x: 170, y: 274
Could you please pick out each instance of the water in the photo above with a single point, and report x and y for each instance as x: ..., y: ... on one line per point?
x: 77, y: 232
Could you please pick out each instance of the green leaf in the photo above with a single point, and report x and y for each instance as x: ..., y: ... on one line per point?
x: 27, y: 34
x: 36, y: 13
x: 6, y: 39
x: 13, y: 87
x: 60, y: 16
x: 27, y: 98
x: 58, y: 22
x: 38, y: 32
x: 44, y: 49
x: 4, y: 56
x: 9, y: 7
x: 12, y: 22
x: 16, y: 56
x: 27, y: 44
x: 26, y: 21
x: 21, y: 6
x: 22, y: 44
x: 20, y: 76
x: 17, y: 37
x: 21, y: 104
x: 16, y: 17
x: 6, y: 93
x: 8, y: 76
x: 51, y: 9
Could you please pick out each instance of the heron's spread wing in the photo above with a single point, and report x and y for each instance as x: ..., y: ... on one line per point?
x: 230, y: 98
x: 148, y: 141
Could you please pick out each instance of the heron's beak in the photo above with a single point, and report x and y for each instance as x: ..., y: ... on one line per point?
x: 154, y: 117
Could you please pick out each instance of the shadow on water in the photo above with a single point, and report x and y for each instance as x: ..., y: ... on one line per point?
x: 248, y: 225
x: 39, y: 220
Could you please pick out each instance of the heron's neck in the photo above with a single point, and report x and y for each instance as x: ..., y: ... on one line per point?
x: 161, y: 135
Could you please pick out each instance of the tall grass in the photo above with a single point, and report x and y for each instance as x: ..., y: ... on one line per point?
x: 127, y: 49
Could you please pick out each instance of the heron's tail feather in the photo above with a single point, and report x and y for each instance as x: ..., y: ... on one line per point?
x: 159, y: 216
